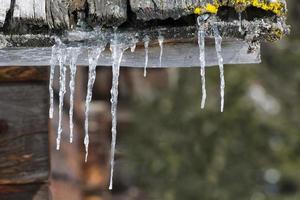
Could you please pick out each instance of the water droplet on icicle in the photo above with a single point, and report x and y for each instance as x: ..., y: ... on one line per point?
x: 218, y: 43
x: 201, y: 43
x: 94, y: 54
x: 73, y: 52
x: 62, y: 56
x: 117, y: 50
x: 161, y: 45
x: 146, y: 45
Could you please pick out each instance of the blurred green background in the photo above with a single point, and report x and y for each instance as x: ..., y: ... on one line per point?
x: 175, y: 151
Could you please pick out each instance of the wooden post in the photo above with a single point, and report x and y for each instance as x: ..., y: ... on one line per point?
x: 24, y: 155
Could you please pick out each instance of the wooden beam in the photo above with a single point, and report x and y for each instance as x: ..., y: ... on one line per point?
x: 111, y: 13
x: 36, y: 191
x: 23, y: 74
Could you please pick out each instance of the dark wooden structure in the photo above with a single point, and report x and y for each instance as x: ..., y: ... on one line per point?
x: 24, y: 160
x: 28, y: 24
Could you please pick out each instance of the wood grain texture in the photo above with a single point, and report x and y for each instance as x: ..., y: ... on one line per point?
x: 4, y: 7
x: 57, y: 14
x: 111, y: 13
x: 24, y: 154
x: 27, y: 16
x: 32, y: 10
x: 36, y: 191
x: 17, y: 74
x: 174, y: 55
x: 77, y: 5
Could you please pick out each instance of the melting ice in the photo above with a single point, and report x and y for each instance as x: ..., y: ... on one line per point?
x: 52, y: 71
x: 201, y: 43
x: 94, y: 54
x: 117, y: 48
x: 73, y: 53
x: 218, y: 43
x: 161, y: 45
x: 146, y: 45
x: 240, y: 22
x: 62, y: 56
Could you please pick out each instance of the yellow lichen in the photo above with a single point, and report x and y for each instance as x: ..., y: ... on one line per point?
x: 207, y: 8
x: 277, y: 6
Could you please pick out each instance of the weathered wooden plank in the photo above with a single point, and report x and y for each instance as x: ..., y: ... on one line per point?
x: 110, y: 13
x: 24, y: 154
x: 23, y: 74
x: 163, y: 9
x: 37, y: 191
x: 4, y: 7
x: 175, y: 55
x: 27, y: 16
x: 31, y: 10
x: 77, y: 5
x: 57, y: 14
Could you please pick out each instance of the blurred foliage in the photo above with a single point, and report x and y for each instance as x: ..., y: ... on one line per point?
x: 177, y: 151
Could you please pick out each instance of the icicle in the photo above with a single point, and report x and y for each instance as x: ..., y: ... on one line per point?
x: 62, y: 56
x: 134, y: 42
x: 117, y: 50
x: 240, y: 22
x: 218, y: 43
x: 94, y: 54
x: 146, y: 45
x: 201, y: 43
x: 161, y: 45
x: 51, y: 78
x: 74, y: 53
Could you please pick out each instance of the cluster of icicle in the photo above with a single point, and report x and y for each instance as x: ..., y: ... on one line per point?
x: 63, y: 57
x: 218, y: 45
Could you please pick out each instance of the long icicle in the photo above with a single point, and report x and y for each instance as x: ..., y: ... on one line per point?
x: 74, y: 53
x: 218, y: 43
x: 146, y: 45
x: 201, y: 43
x: 161, y: 45
x: 62, y: 56
x: 117, y: 54
x: 93, y: 60
x: 51, y: 79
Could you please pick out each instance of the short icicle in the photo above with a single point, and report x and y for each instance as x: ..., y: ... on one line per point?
x: 218, y: 43
x: 73, y: 53
x: 201, y: 43
x: 133, y: 45
x: 161, y: 45
x: 240, y: 22
x: 62, y: 56
x: 94, y: 54
x: 146, y: 45
x: 117, y: 50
